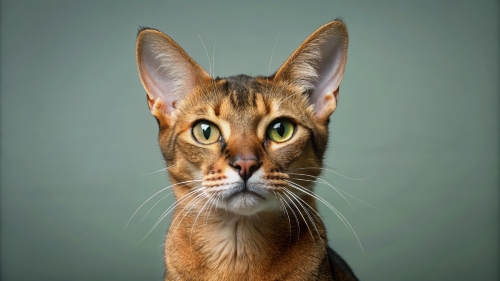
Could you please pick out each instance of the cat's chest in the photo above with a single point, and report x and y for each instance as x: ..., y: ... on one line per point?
x: 239, y: 250
x: 232, y: 250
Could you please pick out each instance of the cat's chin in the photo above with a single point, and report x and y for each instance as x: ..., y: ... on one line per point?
x: 246, y: 203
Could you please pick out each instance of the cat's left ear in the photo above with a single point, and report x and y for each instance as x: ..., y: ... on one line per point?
x: 317, y: 67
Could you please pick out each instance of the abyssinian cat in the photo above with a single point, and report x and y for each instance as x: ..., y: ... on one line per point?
x: 242, y: 155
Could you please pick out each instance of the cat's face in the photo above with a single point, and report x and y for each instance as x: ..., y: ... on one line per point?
x: 236, y: 141
x: 240, y: 136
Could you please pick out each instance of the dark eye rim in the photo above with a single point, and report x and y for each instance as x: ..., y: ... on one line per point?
x: 294, y: 124
x: 209, y: 122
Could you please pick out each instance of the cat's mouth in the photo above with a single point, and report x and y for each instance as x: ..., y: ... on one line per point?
x: 245, y: 200
x: 245, y: 191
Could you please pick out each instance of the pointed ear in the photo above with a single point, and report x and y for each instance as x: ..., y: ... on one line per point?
x: 317, y: 66
x: 167, y: 73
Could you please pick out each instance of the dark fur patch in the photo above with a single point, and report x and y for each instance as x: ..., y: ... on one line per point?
x: 142, y: 28
x: 240, y: 89
x: 339, y: 266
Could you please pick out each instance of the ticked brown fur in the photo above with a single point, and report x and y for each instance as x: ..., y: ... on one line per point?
x: 245, y: 203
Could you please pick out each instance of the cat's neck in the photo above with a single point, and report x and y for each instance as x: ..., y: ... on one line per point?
x: 231, y: 240
x: 219, y: 244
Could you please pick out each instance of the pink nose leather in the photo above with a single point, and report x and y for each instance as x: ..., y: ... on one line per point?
x: 246, y: 167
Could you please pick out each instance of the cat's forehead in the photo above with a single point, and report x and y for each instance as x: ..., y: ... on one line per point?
x: 244, y: 99
x: 242, y: 95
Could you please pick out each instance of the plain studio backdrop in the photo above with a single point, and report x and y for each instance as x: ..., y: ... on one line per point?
x: 417, y: 121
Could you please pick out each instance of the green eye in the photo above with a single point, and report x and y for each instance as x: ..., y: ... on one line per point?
x: 280, y: 130
x: 205, y: 132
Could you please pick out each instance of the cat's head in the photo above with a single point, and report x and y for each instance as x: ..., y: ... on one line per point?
x: 238, y: 140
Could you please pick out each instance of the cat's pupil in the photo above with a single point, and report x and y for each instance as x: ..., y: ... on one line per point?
x: 280, y: 129
x: 206, y: 130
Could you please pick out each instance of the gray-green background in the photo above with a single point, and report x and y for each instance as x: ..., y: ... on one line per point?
x: 419, y: 109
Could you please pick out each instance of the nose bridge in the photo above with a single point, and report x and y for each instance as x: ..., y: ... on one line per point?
x: 244, y: 145
x: 244, y: 154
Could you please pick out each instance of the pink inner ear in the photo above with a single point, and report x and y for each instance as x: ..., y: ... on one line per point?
x: 167, y: 72
x: 158, y: 82
x: 325, y: 106
x: 330, y: 71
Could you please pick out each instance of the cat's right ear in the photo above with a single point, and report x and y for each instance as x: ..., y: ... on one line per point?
x: 167, y: 73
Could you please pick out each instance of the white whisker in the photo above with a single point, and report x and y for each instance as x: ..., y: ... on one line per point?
x: 152, y: 209
x: 316, y: 214
x: 339, y: 214
x: 325, y: 182
x: 335, y: 172
x: 164, y: 169
x: 213, y: 58
x: 300, y: 213
x: 319, y: 198
x: 199, y: 212
x: 296, y: 218
x: 184, y: 182
x: 322, y: 181
x: 287, y: 216
x: 270, y: 61
x: 198, y: 198
x: 176, y: 203
x: 209, y: 63
x: 212, y: 205
x: 165, y: 214
x: 313, y: 222
x: 286, y: 97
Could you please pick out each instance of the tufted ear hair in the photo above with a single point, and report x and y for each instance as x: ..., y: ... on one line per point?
x: 167, y: 72
x: 317, y: 67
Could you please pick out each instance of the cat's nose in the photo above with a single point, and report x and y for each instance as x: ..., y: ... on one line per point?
x: 246, y: 166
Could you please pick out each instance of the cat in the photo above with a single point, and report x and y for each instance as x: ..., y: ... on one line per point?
x: 243, y: 153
